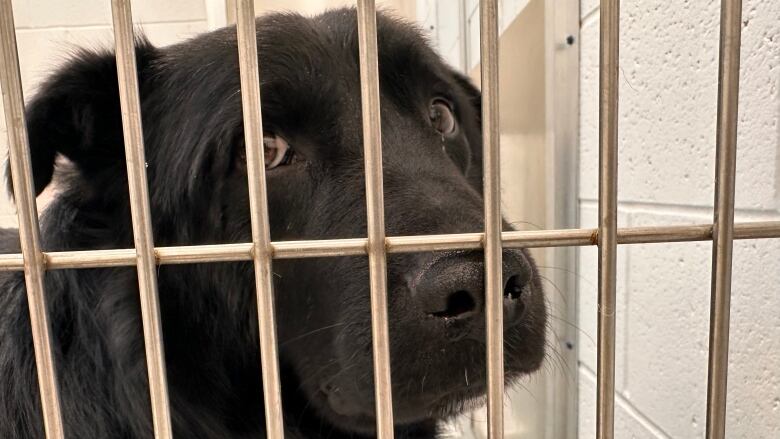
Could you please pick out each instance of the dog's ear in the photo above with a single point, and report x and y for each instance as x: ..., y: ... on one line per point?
x: 76, y: 113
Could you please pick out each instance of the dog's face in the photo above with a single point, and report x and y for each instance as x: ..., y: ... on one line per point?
x: 314, y: 166
x: 432, y: 181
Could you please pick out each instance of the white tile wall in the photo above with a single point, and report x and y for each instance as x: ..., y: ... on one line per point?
x: 754, y: 379
x: 588, y: 303
x: 668, y: 320
x: 668, y: 91
x: 662, y: 331
x: 669, y: 58
x: 629, y: 423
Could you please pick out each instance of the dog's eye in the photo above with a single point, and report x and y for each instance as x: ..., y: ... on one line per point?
x: 441, y: 117
x: 277, y: 151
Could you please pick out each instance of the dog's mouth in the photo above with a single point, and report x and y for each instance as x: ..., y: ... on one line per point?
x: 353, y: 408
x: 422, y: 406
x: 352, y: 415
x: 438, y: 362
x: 347, y: 412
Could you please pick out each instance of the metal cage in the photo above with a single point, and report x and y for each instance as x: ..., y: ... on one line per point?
x: 261, y: 251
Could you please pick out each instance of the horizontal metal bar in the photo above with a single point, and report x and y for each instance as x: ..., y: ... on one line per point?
x: 325, y: 248
x: 319, y: 249
x: 412, y: 244
x: 755, y: 230
x: 649, y: 235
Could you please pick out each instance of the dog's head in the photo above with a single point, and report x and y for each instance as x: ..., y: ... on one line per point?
x: 309, y: 72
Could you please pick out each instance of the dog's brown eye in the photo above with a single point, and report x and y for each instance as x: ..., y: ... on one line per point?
x: 277, y: 151
x: 441, y: 117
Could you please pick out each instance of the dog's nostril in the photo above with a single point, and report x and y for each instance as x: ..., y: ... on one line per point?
x: 513, y: 288
x: 458, y: 303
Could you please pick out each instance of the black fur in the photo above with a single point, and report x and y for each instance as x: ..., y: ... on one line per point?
x: 191, y: 106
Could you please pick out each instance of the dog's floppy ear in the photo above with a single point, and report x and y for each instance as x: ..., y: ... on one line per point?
x: 76, y: 113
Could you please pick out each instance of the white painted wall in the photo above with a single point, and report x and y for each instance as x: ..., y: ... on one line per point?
x: 48, y: 31
x: 668, y: 57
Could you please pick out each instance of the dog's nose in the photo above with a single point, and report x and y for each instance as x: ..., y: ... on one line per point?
x: 451, y: 287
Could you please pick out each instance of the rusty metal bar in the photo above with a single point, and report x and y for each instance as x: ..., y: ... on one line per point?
x: 607, y: 237
x: 723, y: 222
x: 29, y: 233
x: 258, y: 202
x: 377, y: 256
x: 141, y: 217
x: 494, y: 295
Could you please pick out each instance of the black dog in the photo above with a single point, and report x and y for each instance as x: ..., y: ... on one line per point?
x: 191, y: 106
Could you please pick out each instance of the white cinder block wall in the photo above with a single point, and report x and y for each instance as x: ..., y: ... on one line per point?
x: 48, y: 31
x: 668, y: 92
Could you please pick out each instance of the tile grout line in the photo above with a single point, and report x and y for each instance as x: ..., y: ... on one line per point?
x: 680, y: 209
x: 587, y: 19
x: 630, y: 408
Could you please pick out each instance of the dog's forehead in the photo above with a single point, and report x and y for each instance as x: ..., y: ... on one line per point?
x: 309, y: 75
x: 310, y: 70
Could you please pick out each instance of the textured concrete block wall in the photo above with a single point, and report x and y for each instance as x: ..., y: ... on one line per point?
x: 48, y: 31
x: 669, y: 71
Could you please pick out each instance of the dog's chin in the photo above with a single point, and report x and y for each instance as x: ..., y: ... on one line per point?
x: 356, y: 416
x: 346, y: 401
x: 361, y: 420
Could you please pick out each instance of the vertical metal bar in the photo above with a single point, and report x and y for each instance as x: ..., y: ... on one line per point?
x: 29, y: 234
x: 141, y: 217
x: 258, y: 202
x: 377, y: 256
x: 492, y: 192
x: 723, y: 227
x: 608, y: 169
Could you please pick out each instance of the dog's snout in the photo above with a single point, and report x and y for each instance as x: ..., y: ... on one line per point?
x: 514, y: 289
x: 451, y: 289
